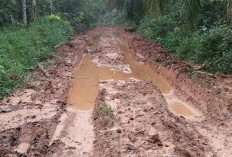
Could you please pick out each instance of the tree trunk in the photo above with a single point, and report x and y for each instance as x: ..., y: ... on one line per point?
x: 24, y: 12
x: 51, y: 6
x: 33, y: 10
x: 12, y: 19
x: 229, y: 12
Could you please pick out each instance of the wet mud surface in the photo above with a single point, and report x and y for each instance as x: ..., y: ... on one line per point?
x: 112, y: 93
x: 141, y: 124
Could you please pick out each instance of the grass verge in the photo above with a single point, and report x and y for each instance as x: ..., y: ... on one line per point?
x: 22, y: 48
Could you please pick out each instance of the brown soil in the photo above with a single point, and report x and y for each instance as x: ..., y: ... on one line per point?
x: 126, y: 97
x: 142, y: 125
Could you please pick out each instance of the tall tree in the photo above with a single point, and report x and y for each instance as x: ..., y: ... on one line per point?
x: 33, y: 10
x: 156, y: 7
x: 24, y: 12
x: 135, y: 9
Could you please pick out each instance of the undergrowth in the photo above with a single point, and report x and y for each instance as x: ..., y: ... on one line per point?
x: 22, y: 48
x: 106, y: 112
x: 209, y: 46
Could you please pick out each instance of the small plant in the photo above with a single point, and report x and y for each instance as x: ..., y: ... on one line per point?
x: 53, y: 17
x: 219, y: 91
x: 118, y: 138
x: 80, y: 17
x: 106, y: 110
x: 110, y: 132
x: 126, y: 97
x: 211, y: 46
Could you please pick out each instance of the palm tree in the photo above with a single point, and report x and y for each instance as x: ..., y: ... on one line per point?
x: 136, y: 8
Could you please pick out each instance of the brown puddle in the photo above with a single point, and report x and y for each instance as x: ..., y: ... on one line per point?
x: 145, y: 73
x: 87, y: 76
x: 180, y: 109
x: 86, y: 84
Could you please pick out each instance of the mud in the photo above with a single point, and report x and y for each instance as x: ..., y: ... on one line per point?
x: 29, y: 117
x: 112, y: 93
x: 76, y: 133
x: 147, y: 127
x: 191, y: 106
x: 86, y: 77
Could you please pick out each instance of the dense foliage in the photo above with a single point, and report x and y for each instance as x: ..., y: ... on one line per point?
x: 21, y: 49
x: 29, y: 30
x: 80, y: 13
x: 198, y: 31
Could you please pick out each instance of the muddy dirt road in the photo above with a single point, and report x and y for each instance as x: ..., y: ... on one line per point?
x: 112, y: 93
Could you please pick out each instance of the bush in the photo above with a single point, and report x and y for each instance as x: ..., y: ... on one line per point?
x: 159, y: 28
x: 212, y: 47
x: 162, y: 30
x: 21, y: 49
x: 53, y: 17
x: 173, y: 40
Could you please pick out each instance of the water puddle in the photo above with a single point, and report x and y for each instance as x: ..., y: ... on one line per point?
x: 86, y: 80
x: 87, y: 76
x: 180, y: 109
x: 145, y: 73
x: 86, y: 83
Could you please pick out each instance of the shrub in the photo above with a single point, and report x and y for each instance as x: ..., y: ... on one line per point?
x: 53, y: 17
x: 162, y: 30
x: 212, y: 47
x: 22, y: 48
x: 159, y: 27
x: 173, y: 40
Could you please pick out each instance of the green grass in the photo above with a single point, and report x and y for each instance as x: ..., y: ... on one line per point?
x: 22, y: 48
